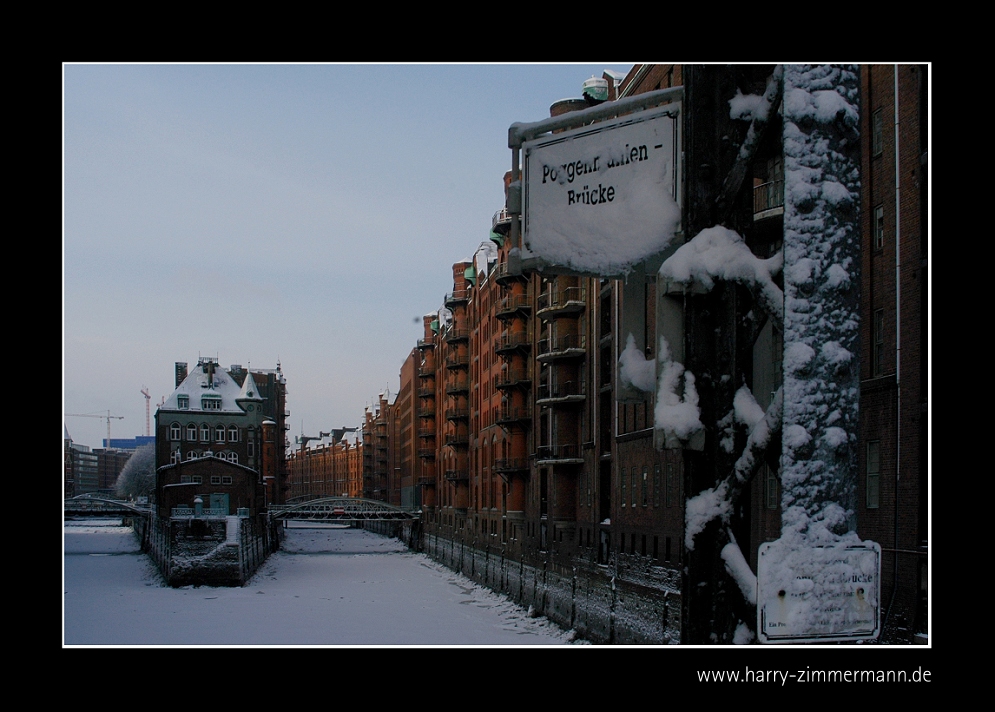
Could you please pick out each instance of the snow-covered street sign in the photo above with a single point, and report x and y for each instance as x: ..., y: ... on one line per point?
x: 604, y: 197
x: 818, y: 594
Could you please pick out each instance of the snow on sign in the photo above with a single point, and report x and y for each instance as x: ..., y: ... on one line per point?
x: 818, y: 594
x: 602, y: 198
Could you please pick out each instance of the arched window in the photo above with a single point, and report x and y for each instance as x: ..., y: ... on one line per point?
x: 192, y: 432
x: 232, y: 434
x: 205, y: 433
x: 219, y: 433
x: 192, y: 455
x: 174, y: 431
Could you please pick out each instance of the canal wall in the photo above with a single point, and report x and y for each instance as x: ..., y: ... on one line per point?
x: 628, y: 601
x: 208, y: 551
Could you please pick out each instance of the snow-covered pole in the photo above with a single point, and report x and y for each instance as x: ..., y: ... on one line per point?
x: 821, y: 297
x: 819, y: 581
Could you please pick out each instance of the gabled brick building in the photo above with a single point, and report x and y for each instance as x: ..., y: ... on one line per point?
x: 220, y: 415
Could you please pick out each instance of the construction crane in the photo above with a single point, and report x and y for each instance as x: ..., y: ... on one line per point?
x: 91, y: 415
x: 145, y: 392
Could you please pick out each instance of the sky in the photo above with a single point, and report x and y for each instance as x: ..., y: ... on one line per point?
x: 306, y: 215
x: 326, y: 586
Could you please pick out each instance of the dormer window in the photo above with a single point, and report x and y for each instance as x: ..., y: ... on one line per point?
x: 210, y: 401
x: 183, y: 402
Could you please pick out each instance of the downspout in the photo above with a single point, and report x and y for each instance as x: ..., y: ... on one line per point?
x: 898, y: 345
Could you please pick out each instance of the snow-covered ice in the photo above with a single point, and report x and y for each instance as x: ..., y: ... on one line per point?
x: 327, y: 586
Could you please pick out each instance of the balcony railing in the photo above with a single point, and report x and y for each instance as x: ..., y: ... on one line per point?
x: 768, y: 196
x: 454, y: 361
x: 457, y: 413
x: 510, y: 342
x: 511, y: 465
x: 559, y: 453
x: 512, y: 305
x: 503, y: 275
x: 454, y: 335
x: 565, y: 392
x: 427, y: 343
x: 512, y: 378
x: 501, y: 219
x: 569, y: 300
x: 457, y: 386
x: 513, y: 414
x: 456, y: 297
x: 459, y: 475
x: 570, y: 345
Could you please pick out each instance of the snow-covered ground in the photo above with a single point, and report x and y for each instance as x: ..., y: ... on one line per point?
x: 327, y: 586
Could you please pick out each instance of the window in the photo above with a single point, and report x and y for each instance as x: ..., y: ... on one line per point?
x: 215, y: 479
x: 226, y: 479
x: 621, y: 479
x: 183, y: 402
x: 192, y: 432
x: 877, y: 343
x: 219, y: 434
x: 197, y: 479
x: 770, y: 487
x: 174, y: 431
x: 210, y: 402
x: 670, y: 488
x: 232, y: 434
x: 184, y: 479
x: 873, y: 474
x: 174, y: 457
x: 877, y: 133
x: 635, y: 478
x: 205, y: 433
x: 656, y: 488
x: 879, y: 227
x: 645, y: 495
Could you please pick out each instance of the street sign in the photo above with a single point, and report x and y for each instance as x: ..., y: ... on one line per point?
x: 602, y: 198
x: 818, y: 594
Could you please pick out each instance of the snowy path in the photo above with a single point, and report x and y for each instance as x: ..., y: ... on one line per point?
x: 326, y: 587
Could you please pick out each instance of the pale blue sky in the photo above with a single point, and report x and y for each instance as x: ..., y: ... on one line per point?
x: 306, y: 213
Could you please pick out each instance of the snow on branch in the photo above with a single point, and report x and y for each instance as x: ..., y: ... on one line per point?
x: 759, y: 438
x: 676, y: 413
x: 720, y: 253
x: 717, y: 502
x: 713, y: 503
x: 740, y: 571
x: 635, y: 369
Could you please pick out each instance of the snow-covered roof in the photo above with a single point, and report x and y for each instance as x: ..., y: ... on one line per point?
x: 249, y: 390
x: 217, y: 385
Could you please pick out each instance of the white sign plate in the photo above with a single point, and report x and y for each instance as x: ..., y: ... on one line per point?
x: 602, y: 198
x: 818, y: 594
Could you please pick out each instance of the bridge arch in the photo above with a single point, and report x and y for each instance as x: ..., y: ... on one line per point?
x: 345, y: 509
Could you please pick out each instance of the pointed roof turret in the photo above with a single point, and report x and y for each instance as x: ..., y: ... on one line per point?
x: 249, y: 389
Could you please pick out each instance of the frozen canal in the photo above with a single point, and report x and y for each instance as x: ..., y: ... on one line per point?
x: 327, y: 586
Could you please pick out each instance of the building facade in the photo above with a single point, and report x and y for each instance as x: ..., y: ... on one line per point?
x: 541, y: 469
